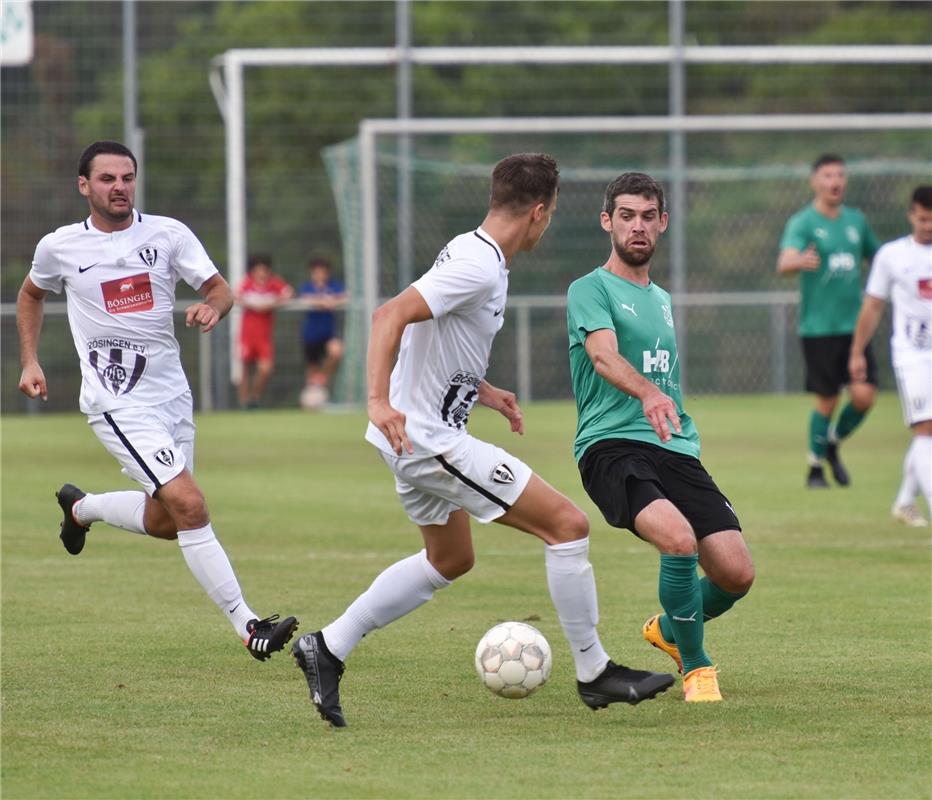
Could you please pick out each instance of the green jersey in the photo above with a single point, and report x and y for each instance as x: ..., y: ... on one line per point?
x: 642, y: 319
x: 830, y: 297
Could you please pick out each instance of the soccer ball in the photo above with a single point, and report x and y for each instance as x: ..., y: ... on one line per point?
x: 313, y: 398
x: 513, y: 659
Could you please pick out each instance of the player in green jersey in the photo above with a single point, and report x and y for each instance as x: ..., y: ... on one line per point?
x: 826, y: 244
x: 637, y: 450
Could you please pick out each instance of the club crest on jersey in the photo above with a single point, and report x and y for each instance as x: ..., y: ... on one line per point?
x: 458, y: 398
x: 165, y: 456
x: 118, y: 363
x: 667, y: 315
x: 149, y: 255
x: 501, y: 473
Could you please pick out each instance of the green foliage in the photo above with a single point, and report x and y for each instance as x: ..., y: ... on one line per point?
x: 120, y: 679
x: 72, y: 94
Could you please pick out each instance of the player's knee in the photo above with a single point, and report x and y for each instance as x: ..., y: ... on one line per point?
x: 680, y: 542
x: 454, y: 565
x: 741, y: 579
x: 187, y: 509
x: 570, y: 524
x: 335, y: 348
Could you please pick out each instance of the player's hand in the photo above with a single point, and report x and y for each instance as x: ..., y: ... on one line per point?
x: 391, y: 422
x: 505, y: 403
x: 809, y: 259
x: 660, y: 411
x: 857, y: 368
x: 32, y: 382
x: 201, y: 315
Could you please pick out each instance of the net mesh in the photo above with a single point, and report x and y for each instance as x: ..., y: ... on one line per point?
x: 732, y: 226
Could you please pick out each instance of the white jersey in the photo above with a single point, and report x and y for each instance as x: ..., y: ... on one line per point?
x: 442, y: 361
x: 902, y: 274
x: 120, y: 289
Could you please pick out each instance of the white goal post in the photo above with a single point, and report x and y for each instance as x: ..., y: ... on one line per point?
x: 227, y: 83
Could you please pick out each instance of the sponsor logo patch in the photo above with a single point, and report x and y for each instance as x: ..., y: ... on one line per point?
x: 127, y: 295
x: 925, y: 288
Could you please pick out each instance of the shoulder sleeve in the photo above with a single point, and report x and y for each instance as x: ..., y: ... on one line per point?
x: 587, y: 310
x: 189, y: 259
x: 458, y: 285
x: 796, y: 234
x: 46, y: 266
x: 871, y: 244
x: 881, y: 276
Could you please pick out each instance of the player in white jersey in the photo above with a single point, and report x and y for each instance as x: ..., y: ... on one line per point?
x: 118, y: 269
x: 441, y: 328
x: 902, y: 274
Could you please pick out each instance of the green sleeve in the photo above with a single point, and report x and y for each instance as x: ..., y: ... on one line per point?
x: 871, y: 244
x: 586, y: 310
x: 796, y: 234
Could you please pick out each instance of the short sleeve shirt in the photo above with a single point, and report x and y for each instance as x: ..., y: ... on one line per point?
x: 258, y: 324
x: 319, y: 324
x: 642, y: 319
x: 902, y: 274
x: 442, y: 360
x: 830, y: 297
x: 120, y: 291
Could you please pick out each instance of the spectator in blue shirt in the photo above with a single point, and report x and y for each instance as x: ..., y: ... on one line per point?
x: 322, y: 295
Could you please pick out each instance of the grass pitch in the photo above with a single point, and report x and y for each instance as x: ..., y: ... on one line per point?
x: 121, y: 680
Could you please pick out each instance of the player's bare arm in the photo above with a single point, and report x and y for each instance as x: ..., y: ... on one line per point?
x: 868, y: 320
x: 504, y: 402
x: 30, y: 305
x: 216, y: 304
x: 609, y: 364
x: 388, y: 324
x: 792, y: 260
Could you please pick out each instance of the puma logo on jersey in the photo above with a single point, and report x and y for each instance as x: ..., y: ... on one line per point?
x: 629, y: 308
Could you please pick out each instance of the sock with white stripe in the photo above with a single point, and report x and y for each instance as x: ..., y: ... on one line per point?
x: 572, y: 590
x: 121, y: 509
x: 403, y: 587
x: 209, y: 564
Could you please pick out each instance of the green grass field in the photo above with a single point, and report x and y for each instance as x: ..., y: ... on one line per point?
x: 120, y: 679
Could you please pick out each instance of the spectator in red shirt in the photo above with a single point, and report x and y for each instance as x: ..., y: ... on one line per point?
x: 259, y: 294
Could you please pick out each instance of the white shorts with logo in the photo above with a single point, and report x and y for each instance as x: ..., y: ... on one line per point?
x: 914, y: 382
x: 478, y: 477
x: 152, y: 443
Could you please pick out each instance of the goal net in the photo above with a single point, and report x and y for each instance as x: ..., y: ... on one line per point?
x: 402, y: 194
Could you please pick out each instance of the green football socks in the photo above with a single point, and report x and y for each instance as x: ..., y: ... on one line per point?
x: 848, y: 420
x: 818, y: 434
x: 681, y: 598
x: 715, y: 602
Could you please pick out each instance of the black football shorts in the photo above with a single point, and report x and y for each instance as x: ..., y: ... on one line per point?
x: 623, y: 476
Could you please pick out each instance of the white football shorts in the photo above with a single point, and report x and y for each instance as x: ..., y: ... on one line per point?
x: 152, y: 443
x: 914, y: 382
x: 482, y: 479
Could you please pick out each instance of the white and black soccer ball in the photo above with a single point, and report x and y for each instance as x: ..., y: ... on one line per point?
x: 513, y: 659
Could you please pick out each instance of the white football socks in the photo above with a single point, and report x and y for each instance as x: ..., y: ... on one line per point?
x: 403, y: 587
x: 572, y: 589
x: 209, y: 564
x: 909, y: 486
x: 921, y: 458
x: 120, y: 509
